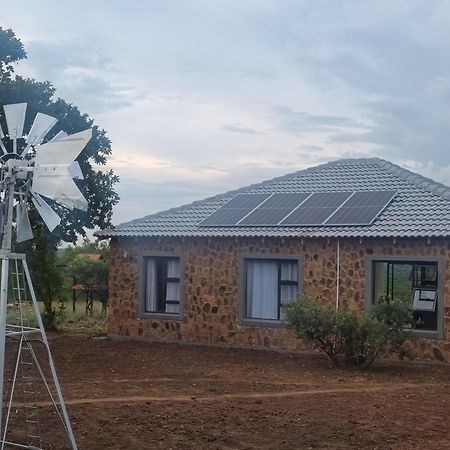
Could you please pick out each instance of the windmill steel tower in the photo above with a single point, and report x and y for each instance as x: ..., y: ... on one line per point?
x: 30, y: 170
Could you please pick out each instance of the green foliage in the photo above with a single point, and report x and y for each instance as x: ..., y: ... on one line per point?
x: 359, y: 338
x: 11, y: 51
x: 81, y: 265
x: 87, y: 271
x: 99, y: 184
x: 398, y: 319
x: 77, y: 321
x: 47, y: 279
x: 364, y: 339
x: 317, y: 324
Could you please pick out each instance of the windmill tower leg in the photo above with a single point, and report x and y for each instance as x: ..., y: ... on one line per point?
x: 22, y: 334
x: 62, y: 405
x: 4, y: 278
x: 3, y: 313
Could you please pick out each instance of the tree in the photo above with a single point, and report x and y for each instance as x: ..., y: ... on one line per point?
x: 98, y: 184
x: 86, y: 265
x: 11, y: 51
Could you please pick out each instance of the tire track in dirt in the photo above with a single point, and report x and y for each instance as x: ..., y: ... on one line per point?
x: 238, y: 396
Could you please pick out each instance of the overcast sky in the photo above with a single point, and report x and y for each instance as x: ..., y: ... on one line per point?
x: 199, y: 97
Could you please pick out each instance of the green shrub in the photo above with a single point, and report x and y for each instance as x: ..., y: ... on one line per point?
x: 317, y: 324
x: 364, y: 339
x: 398, y: 321
x: 359, y: 338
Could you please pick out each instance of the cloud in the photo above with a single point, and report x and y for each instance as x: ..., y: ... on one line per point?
x: 84, y: 86
x: 81, y: 72
x: 412, y: 128
x: 292, y: 121
x: 147, y: 167
x: 54, y: 55
x: 239, y: 129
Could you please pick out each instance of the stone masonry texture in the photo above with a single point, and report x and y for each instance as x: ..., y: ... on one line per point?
x: 210, y: 291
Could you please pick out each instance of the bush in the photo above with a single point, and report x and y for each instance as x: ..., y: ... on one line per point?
x: 398, y: 321
x: 317, y: 324
x: 359, y: 338
x: 364, y: 339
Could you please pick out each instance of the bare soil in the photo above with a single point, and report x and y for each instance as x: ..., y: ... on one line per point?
x: 137, y: 395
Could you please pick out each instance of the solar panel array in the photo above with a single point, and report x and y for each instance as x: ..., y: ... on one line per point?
x: 301, y: 209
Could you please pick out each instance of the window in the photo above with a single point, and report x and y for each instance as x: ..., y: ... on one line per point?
x: 416, y: 283
x: 161, y: 285
x: 269, y: 284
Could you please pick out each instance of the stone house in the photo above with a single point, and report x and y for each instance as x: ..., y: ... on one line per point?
x: 217, y: 271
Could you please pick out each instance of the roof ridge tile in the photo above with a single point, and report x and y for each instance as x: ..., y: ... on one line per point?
x: 426, y: 183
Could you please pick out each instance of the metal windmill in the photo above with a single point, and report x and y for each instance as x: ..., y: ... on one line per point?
x: 30, y: 170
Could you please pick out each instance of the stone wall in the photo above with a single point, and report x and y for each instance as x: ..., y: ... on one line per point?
x: 211, y: 287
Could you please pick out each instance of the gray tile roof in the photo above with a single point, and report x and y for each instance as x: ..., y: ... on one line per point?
x: 421, y: 207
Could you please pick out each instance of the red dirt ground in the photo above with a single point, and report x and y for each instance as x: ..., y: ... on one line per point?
x: 136, y: 395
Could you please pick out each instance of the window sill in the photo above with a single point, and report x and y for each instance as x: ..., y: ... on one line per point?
x: 427, y: 334
x: 262, y: 323
x: 161, y: 316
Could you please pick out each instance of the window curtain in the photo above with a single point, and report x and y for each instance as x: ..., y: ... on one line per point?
x: 262, y: 290
x: 289, y: 272
x: 289, y: 293
x: 150, y: 285
x: 173, y: 287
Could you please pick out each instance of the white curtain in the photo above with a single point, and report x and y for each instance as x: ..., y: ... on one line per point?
x: 173, y: 268
x: 288, y: 292
x: 150, y: 285
x: 289, y: 271
x: 173, y: 294
x: 262, y: 289
x: 173, y: 288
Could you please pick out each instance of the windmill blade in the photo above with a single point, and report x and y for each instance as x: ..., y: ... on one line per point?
x: 2, y: 145
x: 23, y: 226
x: 75, y: 171
x: 41, y: 126
x: 51, y: 219
x: 55, y: 167
x: 60, y: 134
x: 63, y: 150
x: 15, y: 119
x: 60, y: 188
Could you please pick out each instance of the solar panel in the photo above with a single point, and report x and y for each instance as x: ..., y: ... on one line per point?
x: 289, y: 200
x: 274, y: 209
x: 316, y: 209
x: 265, y: 216
x: 362, y: 208
x: 245, y: 201
x: 301, y: 209
x: 235, y: 209
x: 326, y: 199
x: 370, y: 198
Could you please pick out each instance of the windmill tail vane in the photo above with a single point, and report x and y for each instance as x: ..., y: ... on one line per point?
x: 36, y: 169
